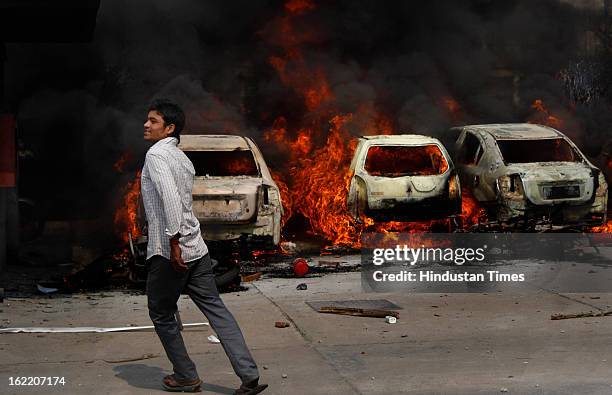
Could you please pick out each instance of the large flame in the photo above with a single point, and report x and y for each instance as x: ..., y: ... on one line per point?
x: 320, y: 186
x: 607, y: 228
x: 126, y: 215
x: 315, y: 180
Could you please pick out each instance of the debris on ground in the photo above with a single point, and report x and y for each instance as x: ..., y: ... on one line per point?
x: 85, y: 329
x: 213, y: 339
x: 288, y: 247
x: 282, y: 266
x: 284, y: 375
x: 581, y: 315
x: 281, y: 324
x: 300, y: 267
x: 46, y: 290
x: 358, y: 312
x: 331, y: 264
x: 368, y: 304
x: 302, y: 287
x: 251, y: 277
x: 390, y: 319
x: 144, y: 356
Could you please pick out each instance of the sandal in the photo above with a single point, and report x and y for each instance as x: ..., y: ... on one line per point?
x: 171, y: 384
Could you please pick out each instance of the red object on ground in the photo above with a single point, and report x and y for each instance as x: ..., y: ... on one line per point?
x: 300, y: 267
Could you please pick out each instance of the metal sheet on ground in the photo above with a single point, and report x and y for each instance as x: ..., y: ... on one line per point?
x: 380, y: 304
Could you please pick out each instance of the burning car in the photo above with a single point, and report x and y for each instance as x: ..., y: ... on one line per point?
x: 234, y: 196
x: 530, y: 174
x: 403, y: 178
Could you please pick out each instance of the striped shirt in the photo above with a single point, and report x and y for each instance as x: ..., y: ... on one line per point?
x: 166, y: 185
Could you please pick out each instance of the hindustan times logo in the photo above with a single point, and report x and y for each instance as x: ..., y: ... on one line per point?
x: 458, y: 256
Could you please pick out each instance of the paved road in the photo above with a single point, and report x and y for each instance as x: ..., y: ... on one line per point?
x: 443, y: 343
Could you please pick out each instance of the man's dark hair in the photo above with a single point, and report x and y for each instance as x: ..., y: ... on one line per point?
x: 171, y: 113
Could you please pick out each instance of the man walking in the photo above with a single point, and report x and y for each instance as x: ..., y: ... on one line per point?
x: 178, y: 257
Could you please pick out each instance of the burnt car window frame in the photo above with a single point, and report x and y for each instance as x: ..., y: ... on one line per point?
x: 237, y: 149
x: 478, y: 153
x: 577, y: 154
x: 445, y: 155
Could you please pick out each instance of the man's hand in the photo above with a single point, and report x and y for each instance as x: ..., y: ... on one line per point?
x: 175, y: 255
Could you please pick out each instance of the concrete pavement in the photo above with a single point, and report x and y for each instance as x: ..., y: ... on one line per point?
x: 443, y: 343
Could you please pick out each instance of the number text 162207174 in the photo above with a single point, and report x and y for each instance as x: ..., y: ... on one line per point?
x: 37, y: 380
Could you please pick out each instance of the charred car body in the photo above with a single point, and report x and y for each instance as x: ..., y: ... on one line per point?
x: 530, y: 174
x: 403, y: 178
x: 234, y: 195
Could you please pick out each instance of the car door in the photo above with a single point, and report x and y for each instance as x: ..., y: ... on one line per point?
x: 469, y: 155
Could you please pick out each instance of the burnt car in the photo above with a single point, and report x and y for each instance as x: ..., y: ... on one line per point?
x: 234, y: 195
x: 403, y: 178
x: 530, y: 174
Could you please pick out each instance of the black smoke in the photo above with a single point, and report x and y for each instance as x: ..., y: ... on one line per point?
x: 80, y: 106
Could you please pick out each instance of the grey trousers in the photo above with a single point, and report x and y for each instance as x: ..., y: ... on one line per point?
x: 164, y: 287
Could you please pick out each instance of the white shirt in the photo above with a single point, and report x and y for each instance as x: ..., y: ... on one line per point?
x: 166, y: 186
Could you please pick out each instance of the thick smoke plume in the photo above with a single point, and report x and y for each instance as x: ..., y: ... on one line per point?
x: 394, y: 66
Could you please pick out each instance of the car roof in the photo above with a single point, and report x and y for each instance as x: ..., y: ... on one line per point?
x: 213, y: 142
x: 402, y: 139
x: 508, y: 131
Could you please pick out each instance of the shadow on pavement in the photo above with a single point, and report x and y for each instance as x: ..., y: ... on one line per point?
x: 140, y: 375
x: 150, y: 377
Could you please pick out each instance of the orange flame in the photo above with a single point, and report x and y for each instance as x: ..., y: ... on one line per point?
x: 544, y: 116
x: 315, y: 178
x: 391, y: 162
x: 607, y: 228
x: 471, y: 211
x: 319, y: 175
x: 380, y: 124
x: 451, y: 104
x: 320, y: 186
x: 307, y: 81
x: 126, y: 215
x: 238, y: 166
x: 285, y: 196
x: 120, y: 163
x: 297, y: 7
